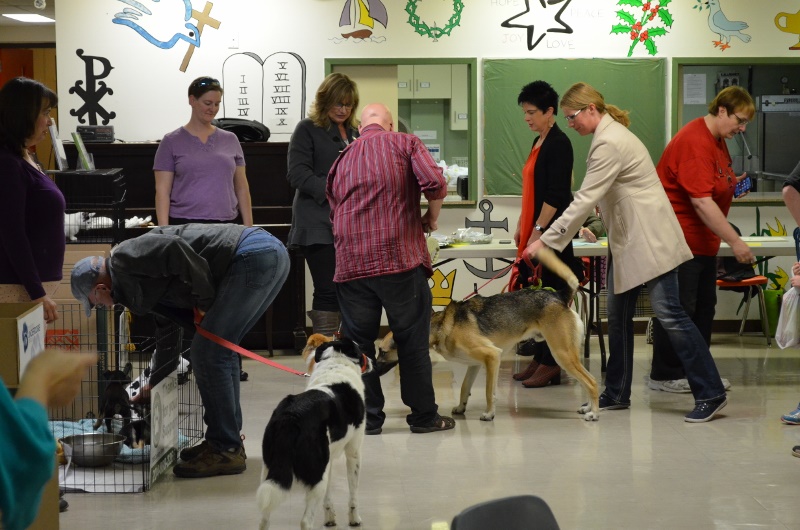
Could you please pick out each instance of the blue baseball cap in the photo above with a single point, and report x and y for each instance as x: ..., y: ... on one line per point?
x: 84, y: 274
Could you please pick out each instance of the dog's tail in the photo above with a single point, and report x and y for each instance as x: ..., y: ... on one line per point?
x: 269, y: 496
x: 550, y: 260
x: 278, y: 452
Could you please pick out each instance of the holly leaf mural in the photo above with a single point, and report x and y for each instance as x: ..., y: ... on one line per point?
x: 636, y: 25
x: 651, y: 46
x: 626, y: 17
x: 665, y: 17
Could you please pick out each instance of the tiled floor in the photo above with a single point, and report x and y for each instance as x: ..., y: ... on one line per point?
x: 638, y: 468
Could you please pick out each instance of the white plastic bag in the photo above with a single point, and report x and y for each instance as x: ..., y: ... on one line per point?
x: 788, y: 332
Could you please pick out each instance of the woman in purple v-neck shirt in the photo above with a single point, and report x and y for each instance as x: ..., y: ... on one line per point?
x: 32, y: 239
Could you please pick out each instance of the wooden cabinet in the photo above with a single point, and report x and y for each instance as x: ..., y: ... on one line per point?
x: 459, y: 99
x: 427, y: 81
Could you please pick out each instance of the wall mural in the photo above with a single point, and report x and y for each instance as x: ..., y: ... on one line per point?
x: 488, y: 225
x: 358, y: 18
x: 163, y: 23
x: 544, y: 14
x: 719, y: 23
x: 94, y: 90
x: 442, y: 287
x: 271, y: 91
x: 779, y: 278
x: 433, y: 32
x: 634, y: 27
x: 789, y: 23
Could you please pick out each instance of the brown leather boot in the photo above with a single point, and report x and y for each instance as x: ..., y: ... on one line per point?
x: 527, y: 372
x: 544, y: 376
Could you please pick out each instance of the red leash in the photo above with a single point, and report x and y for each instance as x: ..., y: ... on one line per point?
x: 238, y: 349
x: 502, y: 272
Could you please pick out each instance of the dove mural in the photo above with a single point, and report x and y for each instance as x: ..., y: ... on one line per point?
x: 162, y: 23
x: 725, y: 28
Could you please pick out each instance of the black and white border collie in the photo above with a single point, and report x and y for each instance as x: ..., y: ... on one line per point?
x: 308, y: 431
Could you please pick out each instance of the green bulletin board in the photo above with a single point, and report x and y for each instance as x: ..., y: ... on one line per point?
x: 636, y: 85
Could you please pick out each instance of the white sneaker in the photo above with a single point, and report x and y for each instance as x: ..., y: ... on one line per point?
x: 725, y: 384
x: 676, y: 386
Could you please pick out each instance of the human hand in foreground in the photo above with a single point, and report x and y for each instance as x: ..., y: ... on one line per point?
x: 53, y: 378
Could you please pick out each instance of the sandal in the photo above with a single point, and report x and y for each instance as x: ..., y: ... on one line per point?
x: 441, y: 423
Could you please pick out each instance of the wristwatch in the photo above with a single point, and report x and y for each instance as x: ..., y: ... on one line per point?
x: 538, y: 229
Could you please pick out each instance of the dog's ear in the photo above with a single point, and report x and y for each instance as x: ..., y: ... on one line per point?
x: 321, y: 350
x: 107, y: 375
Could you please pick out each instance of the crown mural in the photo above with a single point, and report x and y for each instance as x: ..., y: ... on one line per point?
x: 442, y: 289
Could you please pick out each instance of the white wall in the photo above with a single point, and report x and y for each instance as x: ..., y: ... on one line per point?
x: 149, y: 89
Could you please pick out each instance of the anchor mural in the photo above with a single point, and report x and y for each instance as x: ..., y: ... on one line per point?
x: 487, y: 224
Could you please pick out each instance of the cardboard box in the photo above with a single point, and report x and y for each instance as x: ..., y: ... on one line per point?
x: 47, y: 518
x: 22, y: 335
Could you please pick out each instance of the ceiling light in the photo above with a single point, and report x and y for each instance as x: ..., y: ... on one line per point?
x: 36, y: 19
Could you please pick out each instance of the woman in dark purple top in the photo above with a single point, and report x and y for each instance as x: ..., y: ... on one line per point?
x: 32, y: 240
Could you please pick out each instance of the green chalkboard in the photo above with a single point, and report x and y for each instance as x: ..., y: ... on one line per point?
x: 636, y: 85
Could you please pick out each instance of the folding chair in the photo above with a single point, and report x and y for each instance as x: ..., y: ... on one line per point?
x: 523, y: 512
x: 755, y: 283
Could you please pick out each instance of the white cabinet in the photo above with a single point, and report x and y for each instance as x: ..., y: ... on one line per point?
x: 459, y: 99
x: 427, y: 81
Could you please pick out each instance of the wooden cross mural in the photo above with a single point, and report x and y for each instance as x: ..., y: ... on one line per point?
x: 203, y: 19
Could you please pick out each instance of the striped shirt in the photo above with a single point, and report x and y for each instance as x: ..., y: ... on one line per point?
x: 374, y: 191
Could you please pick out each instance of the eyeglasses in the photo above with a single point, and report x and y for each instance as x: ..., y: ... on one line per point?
x: 343, y: 106
x: 205, y: 81
x: 741, y: 121
x: 572, y: 118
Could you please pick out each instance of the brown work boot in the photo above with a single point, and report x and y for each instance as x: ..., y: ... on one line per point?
x: 190, y: 453
x: 211, y: 463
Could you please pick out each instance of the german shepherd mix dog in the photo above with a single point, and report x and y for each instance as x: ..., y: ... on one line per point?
x: 308, y: 431
x: 477, y: 332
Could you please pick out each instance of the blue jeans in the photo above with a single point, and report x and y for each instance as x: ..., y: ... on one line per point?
x: 697, y: 281
x: 406, y: 297
x: 688, y: 343
x: 254, y: 278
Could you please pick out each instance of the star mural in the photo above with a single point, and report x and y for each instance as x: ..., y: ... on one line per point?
x: 545, y: 15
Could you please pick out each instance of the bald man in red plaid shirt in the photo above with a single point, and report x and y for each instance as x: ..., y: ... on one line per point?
x: 382, y: 260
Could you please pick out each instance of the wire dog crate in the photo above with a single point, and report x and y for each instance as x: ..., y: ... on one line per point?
x: 95, y: 211
x: 136, y: 466
x: 642, y: 308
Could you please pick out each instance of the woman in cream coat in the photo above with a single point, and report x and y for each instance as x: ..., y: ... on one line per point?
x: 646, y: 245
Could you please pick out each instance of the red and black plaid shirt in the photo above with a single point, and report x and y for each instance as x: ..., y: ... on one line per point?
x: 374, y: 192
